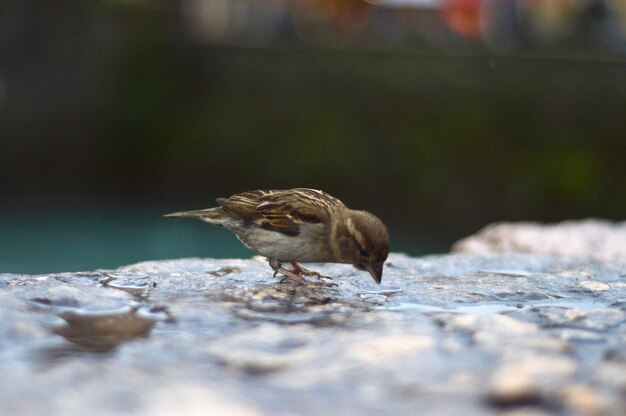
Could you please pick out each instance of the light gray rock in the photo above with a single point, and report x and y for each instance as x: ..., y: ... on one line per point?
x: 594, y: 239
x: 454, y: 334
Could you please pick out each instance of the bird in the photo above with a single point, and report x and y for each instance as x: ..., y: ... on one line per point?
x: 301, y: 225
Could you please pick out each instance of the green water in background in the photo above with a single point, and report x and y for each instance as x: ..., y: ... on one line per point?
x: 91, y: 239
x: 83, y: 241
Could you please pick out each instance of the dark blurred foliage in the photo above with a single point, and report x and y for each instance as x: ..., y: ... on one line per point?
x: 114, y: 103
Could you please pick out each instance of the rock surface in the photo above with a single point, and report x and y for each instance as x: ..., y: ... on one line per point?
x: 596, y: 239
x: 453, y: 334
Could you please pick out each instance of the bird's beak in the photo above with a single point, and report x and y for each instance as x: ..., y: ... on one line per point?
x: 376, y: 270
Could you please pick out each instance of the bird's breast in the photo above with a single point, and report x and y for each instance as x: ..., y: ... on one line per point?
x: 310, y: 245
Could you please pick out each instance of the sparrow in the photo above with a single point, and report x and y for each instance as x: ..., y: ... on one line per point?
x: 301, y: 225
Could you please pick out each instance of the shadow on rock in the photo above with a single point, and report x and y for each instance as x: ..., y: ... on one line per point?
x: 289, y: 304
x: 102, y: 331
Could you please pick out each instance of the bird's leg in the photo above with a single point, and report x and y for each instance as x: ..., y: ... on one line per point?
x: 301, y: 270
x: 289, y: 275
x: 293, y: 276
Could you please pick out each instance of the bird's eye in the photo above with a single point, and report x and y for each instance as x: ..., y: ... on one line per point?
x: 363, y: 252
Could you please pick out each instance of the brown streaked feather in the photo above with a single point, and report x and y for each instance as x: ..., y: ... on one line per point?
x: 201, y: 213
x: 281, y: 210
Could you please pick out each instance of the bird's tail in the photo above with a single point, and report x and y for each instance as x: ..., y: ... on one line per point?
x: 202, y: 214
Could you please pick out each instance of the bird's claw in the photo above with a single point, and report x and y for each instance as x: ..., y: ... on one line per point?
x: 302, y: 271
x: 322, y: 277
x: 314, y: 274
x: 297, y: 275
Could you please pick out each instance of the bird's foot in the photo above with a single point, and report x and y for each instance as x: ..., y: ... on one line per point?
x: 302, y: 271
x: 298, y: 279
x: 295, y: 275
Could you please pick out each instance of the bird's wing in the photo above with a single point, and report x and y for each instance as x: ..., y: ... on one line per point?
x: 281, y: 210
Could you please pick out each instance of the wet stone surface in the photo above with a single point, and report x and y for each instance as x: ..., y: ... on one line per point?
x: 596, y: 239
x: 455, y: 334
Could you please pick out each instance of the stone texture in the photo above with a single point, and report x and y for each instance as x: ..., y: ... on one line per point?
x: 596, y: 239
x: 460, y: 334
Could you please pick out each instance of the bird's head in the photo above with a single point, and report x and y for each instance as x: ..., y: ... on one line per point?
x: 361, y: 239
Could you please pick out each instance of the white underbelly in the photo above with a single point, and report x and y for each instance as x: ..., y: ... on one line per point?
x: 311, y: 245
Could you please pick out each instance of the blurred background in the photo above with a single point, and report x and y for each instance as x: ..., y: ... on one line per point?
x: 440, y: 116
